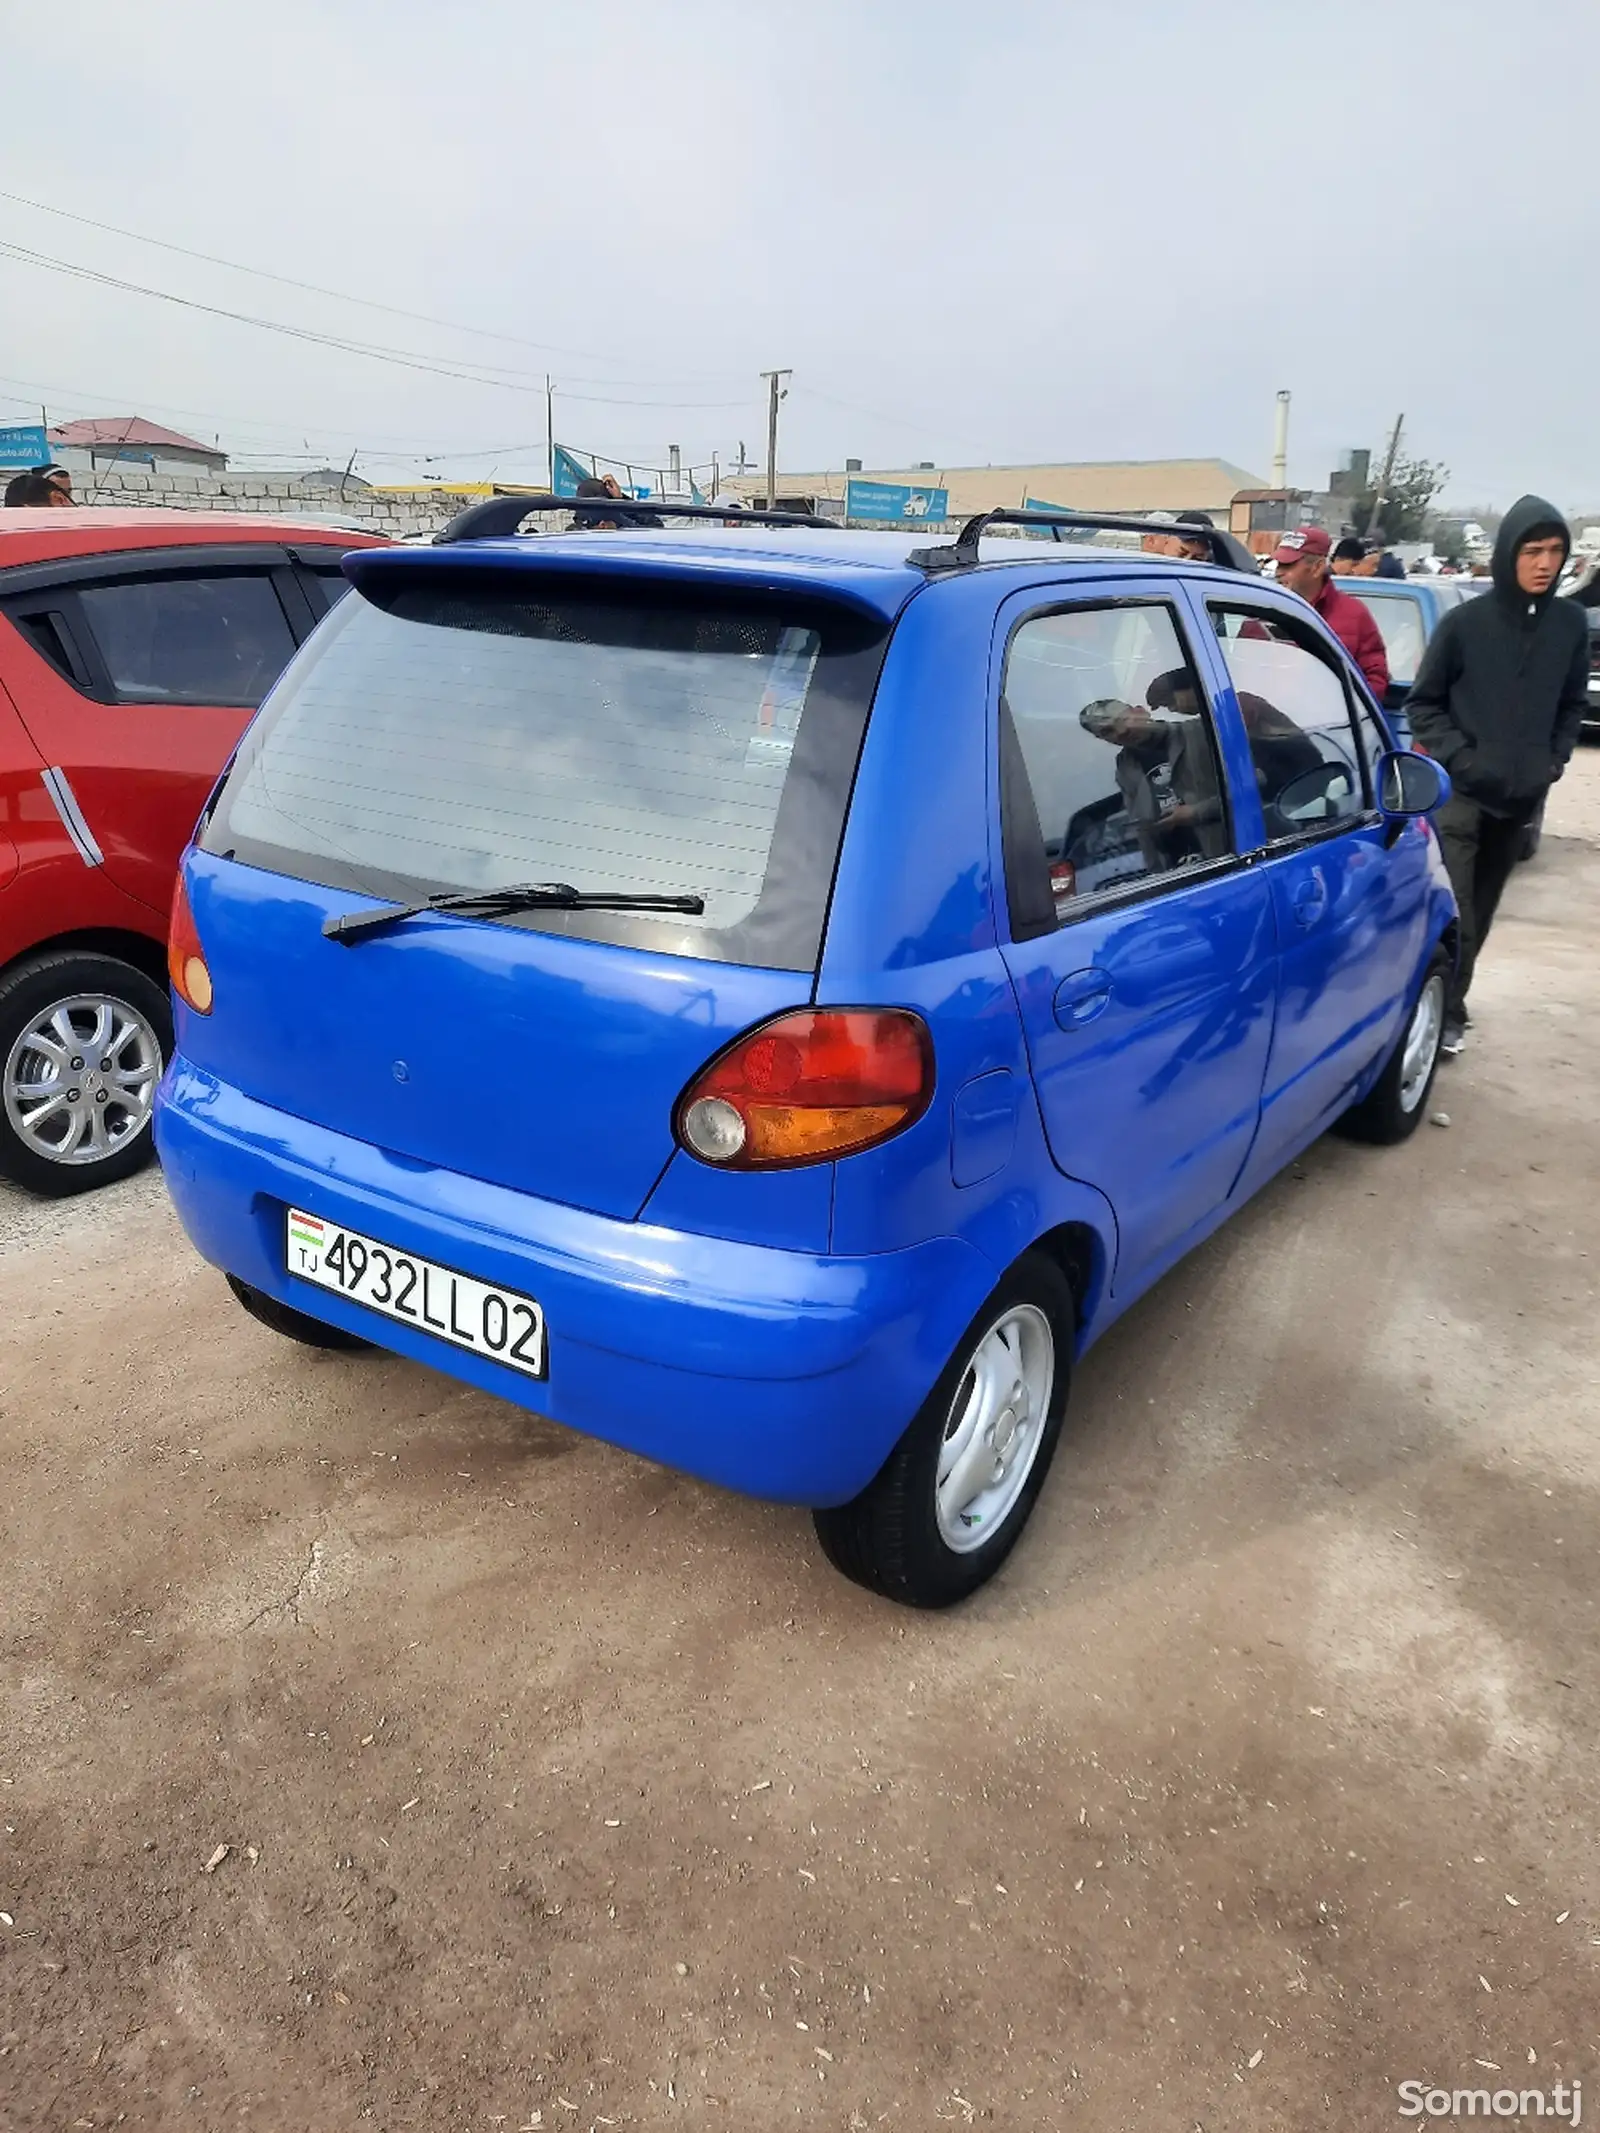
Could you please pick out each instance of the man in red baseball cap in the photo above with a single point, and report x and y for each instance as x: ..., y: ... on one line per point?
x: 1302, y: 557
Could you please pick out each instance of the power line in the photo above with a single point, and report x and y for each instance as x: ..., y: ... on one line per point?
x: 368, y: 303
x: 243, y: 425
x: 383, y: 446
x: 875, y: 414
x: 405, y: 359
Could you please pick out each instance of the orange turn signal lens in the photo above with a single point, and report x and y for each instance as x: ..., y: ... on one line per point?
x: 808, y: 1088
x: 186, y: 961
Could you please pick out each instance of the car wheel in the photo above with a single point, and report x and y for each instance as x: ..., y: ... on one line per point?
x: 292, y: 1324
x: 948, y: 1505
x: 1394, y: 1107
x: 83, y: 1043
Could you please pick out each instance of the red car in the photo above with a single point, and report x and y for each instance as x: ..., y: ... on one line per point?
x: 134, y: 646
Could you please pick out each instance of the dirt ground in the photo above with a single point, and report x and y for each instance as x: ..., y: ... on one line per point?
x: 560, y: 1792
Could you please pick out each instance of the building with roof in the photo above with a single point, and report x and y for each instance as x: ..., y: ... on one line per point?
x: 1136, y: 486
x: 128, y: 440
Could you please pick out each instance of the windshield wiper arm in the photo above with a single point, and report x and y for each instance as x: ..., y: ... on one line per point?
x: 351, y: 926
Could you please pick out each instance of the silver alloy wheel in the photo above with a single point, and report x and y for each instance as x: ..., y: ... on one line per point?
x: 997, y: 1422
x: 81, y: 1079
x: 1422, y: 1043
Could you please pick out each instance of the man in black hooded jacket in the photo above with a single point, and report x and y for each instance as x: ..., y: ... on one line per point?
x: 1498, y: 700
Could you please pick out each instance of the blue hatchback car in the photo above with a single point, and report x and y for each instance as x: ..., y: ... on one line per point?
x: 771, y: 997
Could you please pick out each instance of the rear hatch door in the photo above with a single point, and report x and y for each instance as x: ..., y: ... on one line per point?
x: 468, y: 728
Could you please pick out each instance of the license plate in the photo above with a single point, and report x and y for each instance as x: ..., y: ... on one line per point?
x: 453, y: 1307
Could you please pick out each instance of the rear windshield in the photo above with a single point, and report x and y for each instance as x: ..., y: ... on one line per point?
x: 473, y: 736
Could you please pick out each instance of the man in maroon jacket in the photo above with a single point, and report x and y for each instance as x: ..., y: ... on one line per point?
x: 1302, y: 558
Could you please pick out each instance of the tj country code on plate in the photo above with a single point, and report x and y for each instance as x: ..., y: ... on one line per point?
x: 453, y: 1307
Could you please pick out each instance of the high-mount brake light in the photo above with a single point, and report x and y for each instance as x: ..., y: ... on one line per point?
x: 186, y: 959
x: 811, y: 1086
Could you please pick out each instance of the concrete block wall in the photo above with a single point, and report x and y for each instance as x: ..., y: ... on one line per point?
x: 397, y: 516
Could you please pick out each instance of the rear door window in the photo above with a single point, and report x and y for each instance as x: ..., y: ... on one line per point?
x: 462, y: 739
x: 1119, y: 775
x: 189, y: 638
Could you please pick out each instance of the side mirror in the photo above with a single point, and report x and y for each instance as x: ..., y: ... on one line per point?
x: 1411, y: 784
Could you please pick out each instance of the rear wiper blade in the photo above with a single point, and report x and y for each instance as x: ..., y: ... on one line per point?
x: 351, y: 926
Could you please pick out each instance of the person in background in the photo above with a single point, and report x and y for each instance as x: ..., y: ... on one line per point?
x: 40, y: 489
x: 1192, y: 548
x: 1388, y: 565
x: 1498, y: 700
x: 595, y: 491
x: 1302, y: 559
x: 1346, y: 555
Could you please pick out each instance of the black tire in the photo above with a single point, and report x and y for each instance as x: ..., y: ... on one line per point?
x: 293, y: 1325
x: 1384, y: 1116
x: 888, y: 1538
x: 33, y: 990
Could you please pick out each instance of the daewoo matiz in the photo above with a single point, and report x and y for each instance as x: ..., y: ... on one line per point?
x: 771, y: 996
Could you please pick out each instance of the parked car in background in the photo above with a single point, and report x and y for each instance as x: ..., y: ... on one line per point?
x: 134, y: 647
x: 771, y: 996
x: 1584, y: 587
x: 1407, y: 612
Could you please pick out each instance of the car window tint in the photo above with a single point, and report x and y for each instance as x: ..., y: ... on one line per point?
x: 1116, y: 742
x: 332, y: 584
x: 1399, y: 623
x: 1296, y: 716
x: 190, y: 639
x: 646, y: 744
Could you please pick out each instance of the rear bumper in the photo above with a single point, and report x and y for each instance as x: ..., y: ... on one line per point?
x: 777, y: 1373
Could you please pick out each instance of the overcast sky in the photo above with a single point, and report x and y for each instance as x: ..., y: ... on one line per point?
x: 1015, y: 232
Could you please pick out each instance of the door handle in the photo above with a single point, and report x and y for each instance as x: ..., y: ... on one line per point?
x: 1082, y: 996
x: 1309, y: 899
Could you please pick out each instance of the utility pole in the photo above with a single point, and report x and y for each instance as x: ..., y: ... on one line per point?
x: 1381, y: 493
x: 775, y: 393
x: 549, y: 435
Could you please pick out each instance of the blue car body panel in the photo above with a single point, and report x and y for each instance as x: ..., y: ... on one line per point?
x: 1124, y: 1080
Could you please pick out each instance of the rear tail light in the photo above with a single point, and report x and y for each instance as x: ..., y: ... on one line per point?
x: 186, y: 961
x: 811, y: 1086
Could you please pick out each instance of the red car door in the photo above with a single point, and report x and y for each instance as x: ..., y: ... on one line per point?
x: 135, y: 675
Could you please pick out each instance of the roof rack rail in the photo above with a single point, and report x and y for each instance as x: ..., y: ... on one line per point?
x: 497, y: 516
x: 962, y: 552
